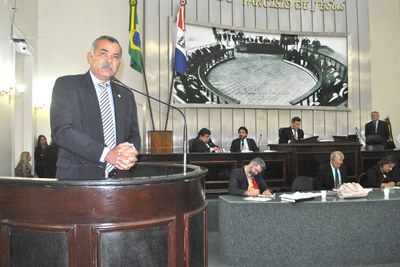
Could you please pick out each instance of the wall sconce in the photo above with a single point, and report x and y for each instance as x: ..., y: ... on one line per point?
x: 38, y: 107
x: 20, y: 88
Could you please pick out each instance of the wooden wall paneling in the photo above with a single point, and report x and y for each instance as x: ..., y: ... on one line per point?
x: 343, y: 125
x: 190, y: 9
x: 165, y: 63
x: 341, y: 19
x: 237, y: 14
x: 307, y: 122
x: 364, y: 63
x: 273, y: 19
x: 216, y: 125
x: 204, y: 120
x: 284, y: 19
x: 249, y: 16
x: 192, y: 121
x: 272, y: 122
x: 295, y: 20
x: 215, y: 10
x: 261, y: 18
x: 317, y: 20
x: 228, y: 129
x: 261, y: 128
x: 152, y: 57
x: 250, y: 122
x: 203, y: 10
x: 330, y: 124
x: 226, y: 10
x: 329, y: 21
x: 306, y: 20
x: 319, y: 123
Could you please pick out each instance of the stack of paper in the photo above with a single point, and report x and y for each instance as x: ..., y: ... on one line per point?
x: 298, y: 196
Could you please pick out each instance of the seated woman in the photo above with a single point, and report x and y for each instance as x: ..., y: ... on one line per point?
x: 383, y: 174
x: 24, y: 168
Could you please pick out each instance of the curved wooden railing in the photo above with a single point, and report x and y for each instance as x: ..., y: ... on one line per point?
x: 311, y: 95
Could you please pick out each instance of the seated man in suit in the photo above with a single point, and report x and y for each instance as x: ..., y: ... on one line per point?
x: 243, y: 144
x: 248, y: 181
x: 383, y: 174
x: 331, y: 174
x: 376, y: 130
x: 203, y: 143
x: 291, y: 133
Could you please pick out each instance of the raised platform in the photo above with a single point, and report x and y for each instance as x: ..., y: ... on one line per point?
x: 157, y: 218
x: 334, y: 232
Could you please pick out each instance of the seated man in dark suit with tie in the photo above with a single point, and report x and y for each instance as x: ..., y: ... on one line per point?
x: 243, y: 144
x: 376, y: 131
x: 248, y: 181
x: 291, y: 133
x: 332, y: 174
x: 203, y: 143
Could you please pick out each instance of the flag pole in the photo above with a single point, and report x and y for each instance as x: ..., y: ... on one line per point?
x: 147, y: 92
x: 180, y: 62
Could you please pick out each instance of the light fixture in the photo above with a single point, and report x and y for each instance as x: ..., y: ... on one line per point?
x: 19, y: 92
x: 38, y: 107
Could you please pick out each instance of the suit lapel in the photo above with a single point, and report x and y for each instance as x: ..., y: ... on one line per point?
x: 92, y: 108
x: 119, y: 112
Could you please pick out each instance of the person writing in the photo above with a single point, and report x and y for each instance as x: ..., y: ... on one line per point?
x: 24, y: 168
x: 248, y: 181
x: 40, y: 148
x: 291, y: 133
x: 243, y: 144
x: 94, y: 121
x: 203, y: 143
x: 332, y: 174
x: 382, y: 174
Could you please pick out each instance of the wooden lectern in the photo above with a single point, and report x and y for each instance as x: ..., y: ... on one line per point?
x: 160, y: 141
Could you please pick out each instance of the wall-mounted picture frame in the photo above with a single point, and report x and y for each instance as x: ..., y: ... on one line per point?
x: 237, y: 66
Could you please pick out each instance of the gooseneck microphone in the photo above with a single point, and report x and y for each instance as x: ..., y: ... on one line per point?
x: 258, y: 142
x: 114, y: 80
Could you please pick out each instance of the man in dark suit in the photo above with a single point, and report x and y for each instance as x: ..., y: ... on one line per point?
x: 376, y: 131
x: 291, y: 133
x: 248, y: 181
x: 243, y: 144
x: 77, y: 119
x: 203, y: 143
x: 331, y: 174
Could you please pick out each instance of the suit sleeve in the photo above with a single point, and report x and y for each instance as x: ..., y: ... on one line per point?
x: 234, y: 187
x: 65, y: 113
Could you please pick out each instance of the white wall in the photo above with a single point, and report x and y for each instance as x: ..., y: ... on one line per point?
x: 385, y: 60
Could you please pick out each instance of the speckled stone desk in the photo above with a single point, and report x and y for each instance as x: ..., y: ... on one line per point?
x: 333, y: 232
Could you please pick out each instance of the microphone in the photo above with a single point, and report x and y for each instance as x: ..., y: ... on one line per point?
x: 116, y: 81
x: 359, y: 134
x: 258, y: 142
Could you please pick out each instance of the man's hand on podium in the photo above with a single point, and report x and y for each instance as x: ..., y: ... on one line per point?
x: 123, y: 156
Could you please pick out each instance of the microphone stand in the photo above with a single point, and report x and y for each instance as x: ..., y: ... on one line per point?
x: 114, y: 80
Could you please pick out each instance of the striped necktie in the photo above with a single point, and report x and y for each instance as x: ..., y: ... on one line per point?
x: 108, y: 120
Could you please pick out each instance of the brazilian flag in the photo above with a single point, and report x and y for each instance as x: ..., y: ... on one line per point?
x: 134, y: 38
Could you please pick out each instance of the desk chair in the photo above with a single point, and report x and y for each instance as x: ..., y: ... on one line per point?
x: 303, y: 183
x: 362, y: 178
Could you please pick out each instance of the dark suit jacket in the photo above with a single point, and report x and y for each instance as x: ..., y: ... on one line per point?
x: 238, y: 183
x: 199, y: 146
x: 324, y: 177
x: 375, y: 177
x: 76, y: 126
x: 383, y: 130
x: 286, y: 134
x: 235, y: 146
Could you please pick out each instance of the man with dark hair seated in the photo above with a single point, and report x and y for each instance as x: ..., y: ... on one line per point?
x: 203, y: 143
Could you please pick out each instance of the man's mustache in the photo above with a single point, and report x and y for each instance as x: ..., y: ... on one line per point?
x: 107, y: 66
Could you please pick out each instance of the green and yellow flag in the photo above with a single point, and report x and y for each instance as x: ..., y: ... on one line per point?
x: 134, y: 38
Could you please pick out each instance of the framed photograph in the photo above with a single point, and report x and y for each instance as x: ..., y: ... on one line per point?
x: 237, y: 66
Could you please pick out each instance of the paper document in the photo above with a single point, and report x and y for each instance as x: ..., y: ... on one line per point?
x: 257, y: 198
